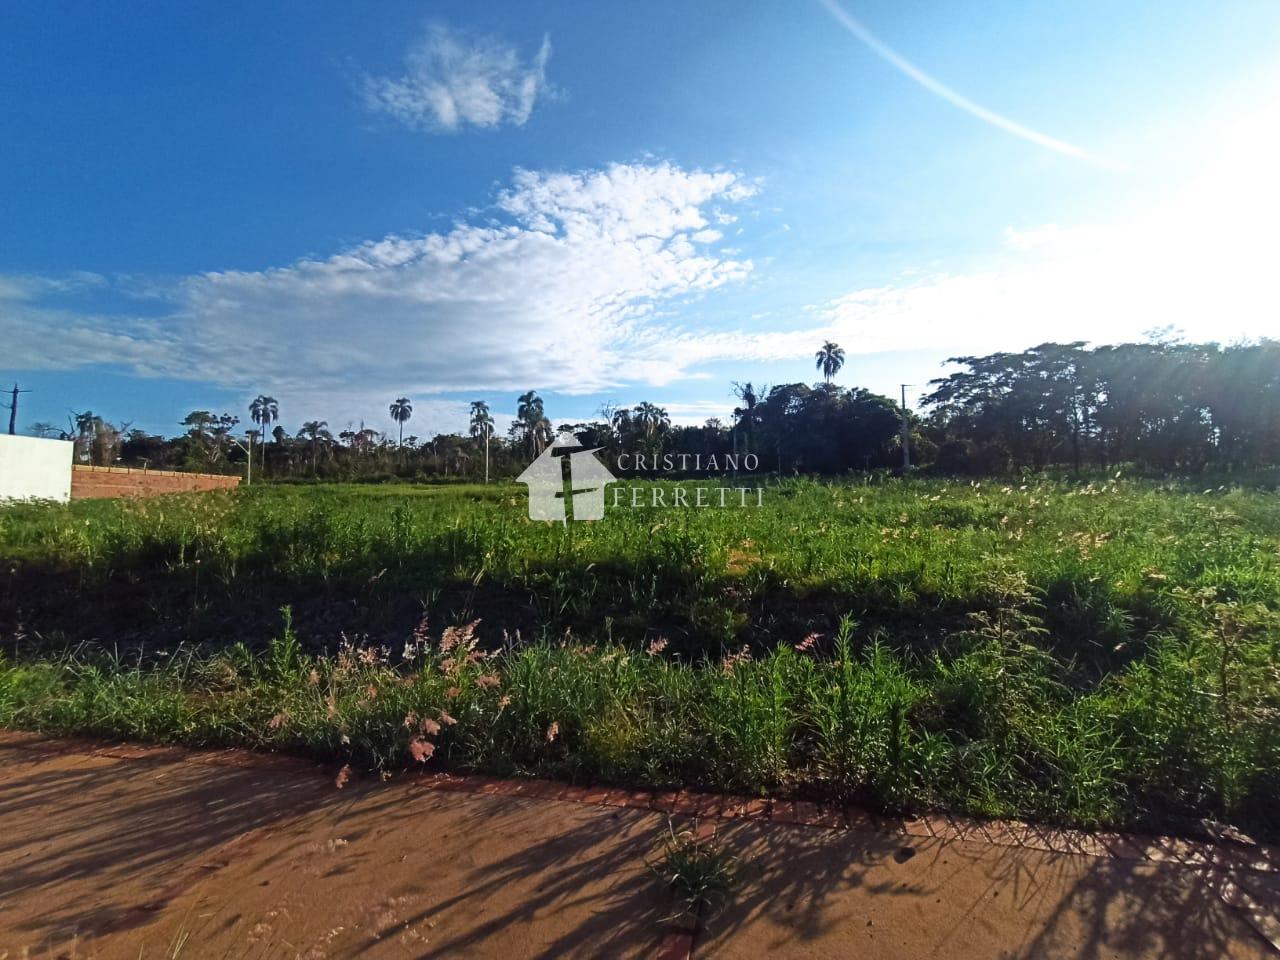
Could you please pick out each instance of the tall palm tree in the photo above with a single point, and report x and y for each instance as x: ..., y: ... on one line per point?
x: 482, y: 427
x: 265, y: 411
x: 401, y: 411
x: 315, y: 431
x: 533, y: 420
x: 749, y: 412
x: 829, y: 360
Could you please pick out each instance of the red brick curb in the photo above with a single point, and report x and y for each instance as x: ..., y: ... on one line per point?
x: 708, y: 806
x: 1218, y: 863
x: 678, y: 942
x: 931, y: 826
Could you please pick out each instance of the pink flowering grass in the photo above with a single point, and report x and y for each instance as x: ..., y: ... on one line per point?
x: 991, y: 723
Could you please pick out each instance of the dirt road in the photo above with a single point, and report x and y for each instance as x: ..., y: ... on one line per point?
x: 143, y: 852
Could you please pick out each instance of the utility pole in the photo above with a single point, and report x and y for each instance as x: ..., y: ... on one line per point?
x: 248, y: 462
x: 906, y: 432
x: 13, y: 410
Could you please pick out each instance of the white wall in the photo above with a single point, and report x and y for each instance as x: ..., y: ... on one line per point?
x: 31, y: 468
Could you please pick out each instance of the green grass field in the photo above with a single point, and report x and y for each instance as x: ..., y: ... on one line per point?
x: 1086, y: 652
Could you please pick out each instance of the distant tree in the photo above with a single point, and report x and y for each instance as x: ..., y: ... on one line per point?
x: 149, y: 450
x: 222, y: 429
x: 97, y: 441
x: 482, y: 429
x: 265, y: 411
x: 1166, y: 404
x: 652, y: 423
x: 207, y: 436
x: 748, y: 415
x: 315, y: 431
x: 46, y: 430
x: 651, y: 418
x: 781, y: 422
x: 533, y: 423
x: 452, y: 453
x: 401, y: 411
x: 622, y: 427
x: 199, y: 421
x: 829, y: 360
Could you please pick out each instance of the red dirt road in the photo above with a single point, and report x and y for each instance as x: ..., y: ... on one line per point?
x: 142, y: 852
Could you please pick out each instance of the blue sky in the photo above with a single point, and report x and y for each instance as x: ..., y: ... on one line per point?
x: 612, y: 202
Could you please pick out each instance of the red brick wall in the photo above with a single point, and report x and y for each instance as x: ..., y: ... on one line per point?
x: 128, y: 482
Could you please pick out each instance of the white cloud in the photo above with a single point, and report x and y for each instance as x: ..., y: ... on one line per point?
x: 454, y: 80
x: 577, y: 285
x: 697, y: 412
x: 562, y: 294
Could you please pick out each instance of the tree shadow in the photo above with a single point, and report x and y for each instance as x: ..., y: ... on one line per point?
x: 1126, y: 908
x: 113, y: 853
x: 575, y: 876
x: 553, y: 879
x: 790, y: 875
x: 70, y: 866
x: 799, y: 886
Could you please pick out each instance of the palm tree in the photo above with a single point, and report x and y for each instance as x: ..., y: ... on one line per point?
x: 315, y: 431
x: 749, y: 412
x: 482, y: 427
x: 401, y: 411
x: 653, y: 423
x: 620, y: 422
x: 533, y: 420
x: 652, y: 419
x: 829, y: 360
x: 265, y: 411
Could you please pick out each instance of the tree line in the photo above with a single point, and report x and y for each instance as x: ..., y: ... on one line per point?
x: 1168, y: 406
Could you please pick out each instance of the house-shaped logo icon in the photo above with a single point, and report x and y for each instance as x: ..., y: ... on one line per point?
x: 566, y: 473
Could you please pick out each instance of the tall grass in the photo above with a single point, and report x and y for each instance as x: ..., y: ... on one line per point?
x: 911, y: 557
x: 990, y: 724
x: 1096, y: 652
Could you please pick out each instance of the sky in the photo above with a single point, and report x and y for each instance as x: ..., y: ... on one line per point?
x: 613, y: 202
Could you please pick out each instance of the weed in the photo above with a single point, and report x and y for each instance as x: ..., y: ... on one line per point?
x: 698, y: 872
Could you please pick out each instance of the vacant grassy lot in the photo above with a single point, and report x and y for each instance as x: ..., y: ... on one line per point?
x: 1098, y: 652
